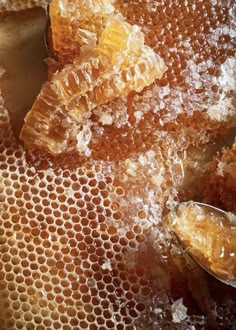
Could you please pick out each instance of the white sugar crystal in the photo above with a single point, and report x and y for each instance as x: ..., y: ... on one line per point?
x: 107, y: 265
x: 179, y: 311
x: 227, y: 81
x: 220, y: 169
x: 138, y: 115
x: 157, y: 310
x: 214, y: 2
x: 162, y: 105
x: 158, y: 178
x: 83, y: 138
x: 105, y: 119
x: 227, y: 78
x: 213, y: 37
x: 221, y: 109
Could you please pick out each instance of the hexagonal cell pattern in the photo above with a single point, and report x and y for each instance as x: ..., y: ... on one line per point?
x: 84, y: 248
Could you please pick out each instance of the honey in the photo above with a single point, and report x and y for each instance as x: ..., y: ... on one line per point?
x: 76, y: 24
x: 81, y: 237
x: 120, y: 64
x: 209, y: 236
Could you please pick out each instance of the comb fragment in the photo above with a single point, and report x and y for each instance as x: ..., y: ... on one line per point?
x: 120, y: 64
x: 75, y: 24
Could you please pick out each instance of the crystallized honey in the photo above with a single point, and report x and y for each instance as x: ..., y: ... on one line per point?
x: 81, y: 236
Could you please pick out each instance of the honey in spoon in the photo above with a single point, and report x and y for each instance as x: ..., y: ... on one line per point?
x: 209, y: 235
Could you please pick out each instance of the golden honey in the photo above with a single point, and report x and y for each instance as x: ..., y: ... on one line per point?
x: 209, y: 236
x: 82, y: 240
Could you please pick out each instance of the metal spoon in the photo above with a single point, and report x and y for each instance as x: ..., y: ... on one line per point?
x: 208, y: 235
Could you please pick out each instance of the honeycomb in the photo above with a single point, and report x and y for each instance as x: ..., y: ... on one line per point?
x: 82, y: 240
x: 75, y: 24
x: 196, y: 39
x: 120, y: 64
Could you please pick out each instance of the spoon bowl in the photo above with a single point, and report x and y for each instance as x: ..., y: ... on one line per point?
x: 208, y: 235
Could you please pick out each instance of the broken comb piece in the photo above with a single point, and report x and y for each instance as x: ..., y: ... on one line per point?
x: 116, y: 67
x: 75, y: 24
